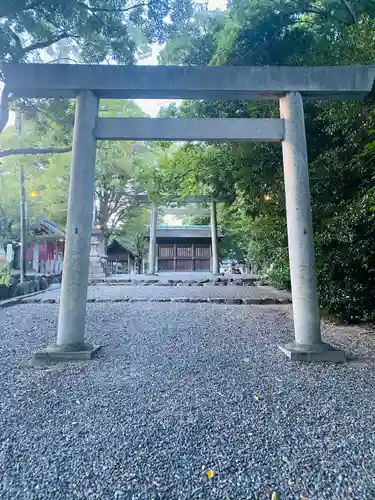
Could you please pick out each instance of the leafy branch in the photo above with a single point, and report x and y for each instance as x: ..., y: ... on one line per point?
x: 93, y: 10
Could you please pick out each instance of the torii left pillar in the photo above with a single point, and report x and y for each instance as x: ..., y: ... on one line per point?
x: 70, y: 342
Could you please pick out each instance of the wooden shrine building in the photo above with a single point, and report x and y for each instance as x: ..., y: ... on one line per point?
x: 119, y: 258
x: 183, y: 248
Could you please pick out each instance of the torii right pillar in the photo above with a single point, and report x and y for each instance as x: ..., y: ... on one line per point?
x: 152, y: 243
x: 214, y: 239
x: 307, y: 344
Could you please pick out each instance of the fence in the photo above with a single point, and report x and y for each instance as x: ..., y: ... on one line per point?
x: 50, y: 266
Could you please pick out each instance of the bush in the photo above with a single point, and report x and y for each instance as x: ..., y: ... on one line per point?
x: 278, y: 274
x: 346, y: 264
x: 5, y: 276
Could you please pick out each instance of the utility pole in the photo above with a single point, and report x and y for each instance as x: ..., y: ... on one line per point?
x: 23, y: 219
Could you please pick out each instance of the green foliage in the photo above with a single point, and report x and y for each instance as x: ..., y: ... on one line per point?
x: 346, y: 262
x: 123, y: 169
x: 9, y: 203
x: 5, y: 276
x: 34, y: 167
x: 339, y: 136
x: 196, y: 42
x: 92, y: 31
x: 132, y: 232
x: 95, y: 30
x: 278, y: 273
x: 46, y: 176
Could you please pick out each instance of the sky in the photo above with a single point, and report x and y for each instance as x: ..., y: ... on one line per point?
x: 152, y: 106
x: 217, y: 4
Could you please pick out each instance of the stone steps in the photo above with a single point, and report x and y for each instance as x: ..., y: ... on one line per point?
x: 113, y: 282
x: 196, y: 300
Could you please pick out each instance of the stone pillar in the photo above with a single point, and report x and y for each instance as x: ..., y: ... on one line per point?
x: 96, y: 268
x: 71, y: 327
x: 129, y: 263
x: 152, y: 247
x: 214, y: 239
x: 36, y: 257
x: 308, y: 343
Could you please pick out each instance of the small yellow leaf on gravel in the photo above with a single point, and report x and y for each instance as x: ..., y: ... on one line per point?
x: 275, y: 496
x: 256, y: 396
x: 210, y: 473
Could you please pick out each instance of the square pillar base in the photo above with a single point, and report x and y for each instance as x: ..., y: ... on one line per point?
x: 71, y: 352
x: 314, y: 352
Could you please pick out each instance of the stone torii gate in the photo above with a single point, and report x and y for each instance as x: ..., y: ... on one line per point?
x: 289, y: 85
x: 185, y: 200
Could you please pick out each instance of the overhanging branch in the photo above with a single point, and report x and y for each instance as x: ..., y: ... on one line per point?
x: 350, y: 11
x: 33, y: 151
x: 46, y: 43
x: 109, y: 10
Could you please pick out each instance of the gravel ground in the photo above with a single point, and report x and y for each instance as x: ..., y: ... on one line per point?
x: 179, y: 390
x: 159, y: 292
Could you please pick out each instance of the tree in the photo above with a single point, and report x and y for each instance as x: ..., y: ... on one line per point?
x: 115, y: 183
x: 340, y: 144
x: 122, y: 169
x: 117, y: 170
x: 196, y: 41
x: 100, y: 30
x: 37, y: 176
x: 132, y: 232
x: 8, y: 206
x: 38, y: 144
x: 96, y: 31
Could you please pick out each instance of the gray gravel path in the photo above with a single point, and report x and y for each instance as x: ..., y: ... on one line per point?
x: 159, y: 292
x: 178, y: 390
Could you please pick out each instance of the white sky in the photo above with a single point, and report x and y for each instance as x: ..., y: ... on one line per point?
x: 217, y: 4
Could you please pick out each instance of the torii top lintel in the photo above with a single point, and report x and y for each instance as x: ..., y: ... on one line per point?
x: 188, y: 82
